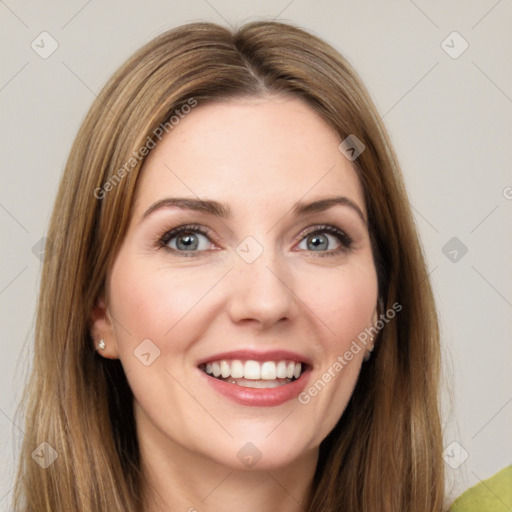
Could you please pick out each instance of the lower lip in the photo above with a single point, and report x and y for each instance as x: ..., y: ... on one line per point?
x: 257, y: 397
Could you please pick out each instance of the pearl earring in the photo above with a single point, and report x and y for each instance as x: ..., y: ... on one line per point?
x: 101, y: 344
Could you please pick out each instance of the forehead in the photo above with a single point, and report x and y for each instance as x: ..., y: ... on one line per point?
x: 249, y: 152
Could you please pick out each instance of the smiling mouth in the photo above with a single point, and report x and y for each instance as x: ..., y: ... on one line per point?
x: 254, y: 374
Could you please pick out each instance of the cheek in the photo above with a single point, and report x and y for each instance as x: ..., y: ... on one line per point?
x: 343, y: 301
x: 151, y: 300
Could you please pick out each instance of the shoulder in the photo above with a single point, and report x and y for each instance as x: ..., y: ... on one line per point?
x: 491, y: 495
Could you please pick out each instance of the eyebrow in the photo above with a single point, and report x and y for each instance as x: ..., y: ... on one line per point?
x: 302, y: 208
x: 224, y: 211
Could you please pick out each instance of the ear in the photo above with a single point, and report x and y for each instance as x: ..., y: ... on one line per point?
x: 102, y: 328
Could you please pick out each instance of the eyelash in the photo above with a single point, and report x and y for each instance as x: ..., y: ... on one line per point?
x: 343, y: 238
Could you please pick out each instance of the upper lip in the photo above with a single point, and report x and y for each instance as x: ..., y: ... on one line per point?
x: 257, y: 355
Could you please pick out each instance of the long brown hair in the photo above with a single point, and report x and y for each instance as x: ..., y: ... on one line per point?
x: 385, y: 452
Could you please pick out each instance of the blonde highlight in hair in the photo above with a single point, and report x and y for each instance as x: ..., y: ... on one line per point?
x: 385, y: 451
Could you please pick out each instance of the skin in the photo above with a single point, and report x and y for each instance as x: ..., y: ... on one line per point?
x: 259, y: 156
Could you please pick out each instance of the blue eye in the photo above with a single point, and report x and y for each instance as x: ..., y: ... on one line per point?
x: 328, y: 239
x: 319, y: 242
x: 186, y: 239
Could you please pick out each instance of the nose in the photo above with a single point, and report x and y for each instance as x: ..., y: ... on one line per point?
x: 261, y: 292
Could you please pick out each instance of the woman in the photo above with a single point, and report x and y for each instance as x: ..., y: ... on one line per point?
x: 236, y: 314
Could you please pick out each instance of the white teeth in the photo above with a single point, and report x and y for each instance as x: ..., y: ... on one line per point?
x: 216, y: 369
x: 225, y: 369
x: 290, y: 369
x: 237, y: 369
x: 254, y: 370
x: 281, y: 370
x: 268, y: 370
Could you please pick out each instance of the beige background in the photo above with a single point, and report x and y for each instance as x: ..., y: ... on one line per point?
x: 449, y: 118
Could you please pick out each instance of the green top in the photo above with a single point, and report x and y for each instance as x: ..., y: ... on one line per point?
x: 491, y: 495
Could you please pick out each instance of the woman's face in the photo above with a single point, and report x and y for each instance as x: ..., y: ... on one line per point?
x: 267, y: 277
